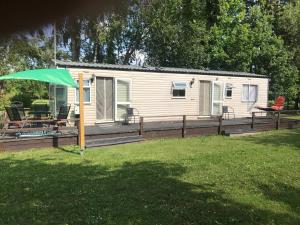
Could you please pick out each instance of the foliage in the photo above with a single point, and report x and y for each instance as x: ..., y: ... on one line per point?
x: 251, y: 36
x: 107, y: 38
x: 21, y: 52
x: 290, y: 31
x: 176, y: 34
x: 244, y: 40
x: 202, y: 180
x: 40, y: 102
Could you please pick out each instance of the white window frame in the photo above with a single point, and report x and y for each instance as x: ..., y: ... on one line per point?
x: 228, y: 86
x: 173, y: 88
x: 129, y: 80
x: 213, y: 93
x: 248, y: 100
x: 90, y: 85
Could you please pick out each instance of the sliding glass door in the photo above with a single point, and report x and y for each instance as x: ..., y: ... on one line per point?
x: 104, y: 99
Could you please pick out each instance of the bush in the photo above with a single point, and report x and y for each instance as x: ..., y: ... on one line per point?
x: 40, y: 102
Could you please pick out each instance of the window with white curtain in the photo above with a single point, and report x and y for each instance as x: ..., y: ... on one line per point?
x: 86, y: 92
x: 250, y: 93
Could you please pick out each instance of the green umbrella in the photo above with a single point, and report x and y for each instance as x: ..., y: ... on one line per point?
x: 53, y: 76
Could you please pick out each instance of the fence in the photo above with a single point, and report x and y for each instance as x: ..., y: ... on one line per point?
x: 290, y: 116
x: 183, y: 120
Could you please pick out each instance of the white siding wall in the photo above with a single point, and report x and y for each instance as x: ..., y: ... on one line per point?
x: 151, y: 93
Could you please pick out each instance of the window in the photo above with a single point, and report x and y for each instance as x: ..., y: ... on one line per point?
x: 179, y: 89
x: 86, y: 92
x: 250, y: 93
x: 228, y: 91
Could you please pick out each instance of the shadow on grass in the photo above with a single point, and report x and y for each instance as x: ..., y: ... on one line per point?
x: 286, y: 137
x: 284, y: 193
x: 70, y: 149
x: 149, y: 192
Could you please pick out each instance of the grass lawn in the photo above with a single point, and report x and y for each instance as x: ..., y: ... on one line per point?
x: 294, y: 117
x: 202, y: 180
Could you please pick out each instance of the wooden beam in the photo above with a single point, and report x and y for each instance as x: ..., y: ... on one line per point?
x: 81, y: 112
x: 141, y: 131
x: 252, y: 120
x: 278, y: 120
x: 220, y: 125
x: 183, y: 126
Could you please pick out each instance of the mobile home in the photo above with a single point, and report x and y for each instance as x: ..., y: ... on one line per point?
x: 110, y: 89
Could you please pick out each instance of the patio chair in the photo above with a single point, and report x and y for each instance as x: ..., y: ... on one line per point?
x: 17, y: 104
x: 277, y: 106
x: 131, y: 113
x: 17, y: 117
x: 227, y: 111
x: 62, y: 117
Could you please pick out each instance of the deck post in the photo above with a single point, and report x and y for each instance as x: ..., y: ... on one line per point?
x: 141, y: 131
x: 278, y: 121
x: 183, y: 126
x: 253, y: 119
x: 81, y: 114
x: 220, y: 125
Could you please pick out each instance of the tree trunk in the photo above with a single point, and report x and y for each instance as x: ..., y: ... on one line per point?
x: 297, y: 100
x: 75, y: 38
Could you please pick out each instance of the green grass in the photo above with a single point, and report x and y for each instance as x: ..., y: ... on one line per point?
x: 203, y: 180
x: 294, y: 117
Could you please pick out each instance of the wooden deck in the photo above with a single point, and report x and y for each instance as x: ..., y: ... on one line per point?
x: 114, y: 132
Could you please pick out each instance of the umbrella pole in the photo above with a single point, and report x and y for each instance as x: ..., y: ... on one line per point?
x: 81, y: 113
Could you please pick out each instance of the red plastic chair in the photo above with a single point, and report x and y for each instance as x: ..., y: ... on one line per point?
x: 278, y: 105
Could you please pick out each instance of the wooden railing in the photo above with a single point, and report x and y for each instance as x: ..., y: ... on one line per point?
x: 276, y: 116
x: 183, y: 118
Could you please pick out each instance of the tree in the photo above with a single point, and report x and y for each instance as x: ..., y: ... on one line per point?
x: 106, y: 38
x: 243, y: 40
x: 176, y: 33
x: 290, y: 31
x: 21, y: 52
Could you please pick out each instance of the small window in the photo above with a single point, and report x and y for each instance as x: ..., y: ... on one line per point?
x: 228, y: 91
x: 86, y: 92
x: 250, y: 93
x: 179, y: 89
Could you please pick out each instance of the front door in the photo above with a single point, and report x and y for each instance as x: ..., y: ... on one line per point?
x: 205, y: 98
x: 105, y: 99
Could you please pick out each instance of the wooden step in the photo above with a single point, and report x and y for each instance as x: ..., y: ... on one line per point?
x: 113, y: 141
x: 239, y: 132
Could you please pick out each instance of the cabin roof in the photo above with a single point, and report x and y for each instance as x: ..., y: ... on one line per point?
x: 68, y: 64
